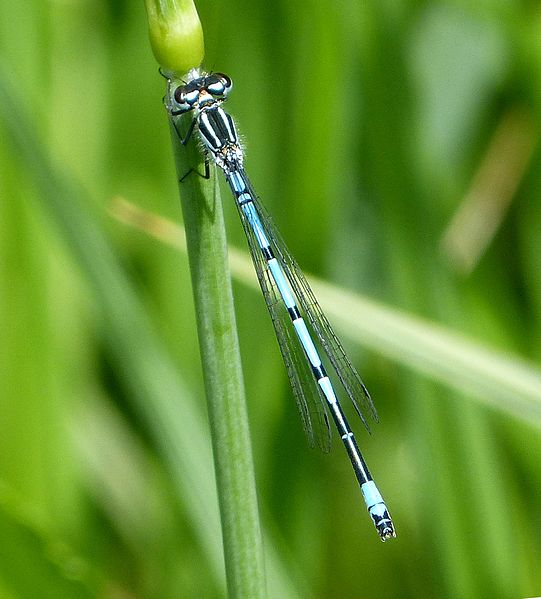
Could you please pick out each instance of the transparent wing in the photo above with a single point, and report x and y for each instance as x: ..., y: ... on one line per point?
x: 310, y: 402
x: 348, y: 375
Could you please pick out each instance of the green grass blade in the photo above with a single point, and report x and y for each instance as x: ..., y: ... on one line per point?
x: 220, y: 356
x: 501, y: 381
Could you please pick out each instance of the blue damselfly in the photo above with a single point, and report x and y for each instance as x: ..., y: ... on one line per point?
x: 288, y: 296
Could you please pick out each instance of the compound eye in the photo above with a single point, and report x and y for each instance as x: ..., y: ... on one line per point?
x: 185, y: 99
x: 220, y: 85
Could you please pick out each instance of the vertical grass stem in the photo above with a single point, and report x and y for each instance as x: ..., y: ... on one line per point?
x: 207, y: 252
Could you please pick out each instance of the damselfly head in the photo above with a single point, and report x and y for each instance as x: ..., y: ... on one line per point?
x: 202, y: 91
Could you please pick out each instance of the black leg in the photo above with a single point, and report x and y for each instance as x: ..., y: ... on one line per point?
x: 183, y: 140
x: 206, y: 175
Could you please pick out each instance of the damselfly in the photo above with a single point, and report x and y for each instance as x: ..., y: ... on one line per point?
x: 288, y: 296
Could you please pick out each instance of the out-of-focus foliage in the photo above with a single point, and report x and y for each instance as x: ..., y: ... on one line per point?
x: 396, y: 145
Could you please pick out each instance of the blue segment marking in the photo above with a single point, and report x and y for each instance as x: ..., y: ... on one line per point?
x: 371, y: 494
x: 307, y: 343
x: 281, y: 283
x: 327, y: 389
x: 237, y: 182
x: 253, y: 218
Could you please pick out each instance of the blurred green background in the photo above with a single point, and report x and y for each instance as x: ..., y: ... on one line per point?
x: 395, y: 143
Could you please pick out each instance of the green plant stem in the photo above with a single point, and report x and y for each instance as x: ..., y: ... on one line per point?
x: 176, y: 35
x: 220, y: 356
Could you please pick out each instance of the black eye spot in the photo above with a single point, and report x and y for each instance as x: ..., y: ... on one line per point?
x: 179, y: 95
x: 226, y: 81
